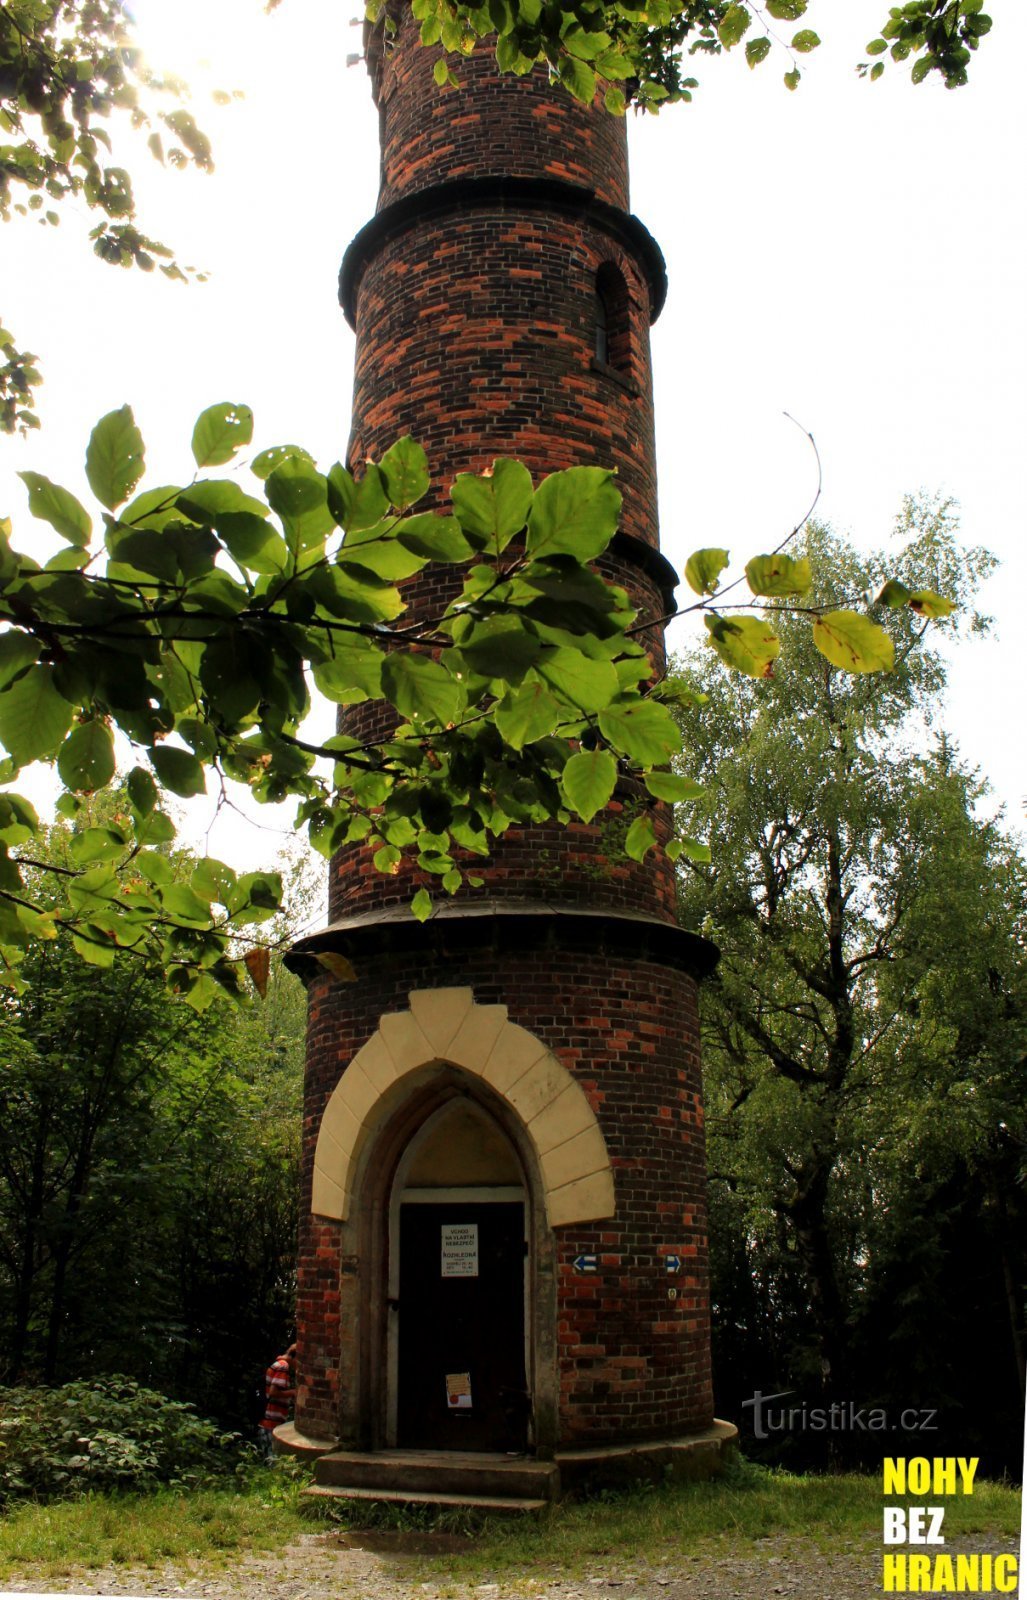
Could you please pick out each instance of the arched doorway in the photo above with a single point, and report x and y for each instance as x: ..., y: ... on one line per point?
x: 459, y: 1288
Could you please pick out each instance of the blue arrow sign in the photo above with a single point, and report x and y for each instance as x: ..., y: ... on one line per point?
x: 586, y: 1263
x: 672, y: 1263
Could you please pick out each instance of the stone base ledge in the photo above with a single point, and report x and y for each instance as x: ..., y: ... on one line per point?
x: 290, y: 1442
x: 690, y: 1456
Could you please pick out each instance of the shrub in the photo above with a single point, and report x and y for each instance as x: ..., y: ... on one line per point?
x: 107, y: 1434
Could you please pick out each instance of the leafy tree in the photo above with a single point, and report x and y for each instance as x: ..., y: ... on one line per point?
x: 638, y: 52
x: 867, y: 1019
x: 524, y: 695
x: 148, y: 1172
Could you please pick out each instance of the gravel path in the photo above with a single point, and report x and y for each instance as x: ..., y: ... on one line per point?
x: 382, y: 1566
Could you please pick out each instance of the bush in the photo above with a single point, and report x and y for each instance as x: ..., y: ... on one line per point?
x: 107, y: 1434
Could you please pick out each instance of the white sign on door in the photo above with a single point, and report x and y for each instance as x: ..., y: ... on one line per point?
x: 459, y: 1249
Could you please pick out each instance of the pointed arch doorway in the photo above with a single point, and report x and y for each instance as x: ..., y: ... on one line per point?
x: 459, y: 1348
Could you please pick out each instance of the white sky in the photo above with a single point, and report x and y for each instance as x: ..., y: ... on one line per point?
x: 855, y: 254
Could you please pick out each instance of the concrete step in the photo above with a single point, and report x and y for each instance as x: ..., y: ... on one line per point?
x: 513, y: 1505
x: 433, y: 1473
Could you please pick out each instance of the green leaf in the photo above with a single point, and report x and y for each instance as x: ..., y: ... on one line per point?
x: 182, y: 903
x: 98, y: 950
x: 778, y: 575
x: 585, y: 683
x: 578, y: 78
x: 433, y: 537
x: 501, y: 647
x: 805, y: 40
x: 588, y: 781
x: 757, y: 50
x: 157, y: 828
x: 17, y: 651
x: 786, y: 10
x: 703, y: 569
x: 86, y: 758
x: 733, y: 25
x: 894, y: 594
x: 421, y: 688
x: 352, y: 674
x: 692, y: 849
x: 265, y: 463
x: 298, y: 492
x: 928, y: 604
x: 155, y: 868
x: 420, y: 905
x: 34, y: 717
x: 493, y: 507
x: 404, y: 470
x: 641, y: 837
x: 58, y: 507
x: 386, y: 558
x: 853, y: 643
x: 748, y: 643
x: 792, y: 78
x: 91, y: 845
x: 440, y: 72
x: 575, y: 512
x: 178, y: 770
x: 253, y: 542
x: 114, y: 457
x: 672, y: 786
x: 210, y: 500
x: 643, y: 730
x: 357, y: 505
x: 527, y: 713
x: 142, y: 791
x: 219, y: 432
x: 615, y: 102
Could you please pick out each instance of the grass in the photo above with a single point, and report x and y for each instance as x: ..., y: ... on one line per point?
x: 723, y: 1517
x: 217, y: 1526
x: 211, y: 1526
x: 704, y: 1519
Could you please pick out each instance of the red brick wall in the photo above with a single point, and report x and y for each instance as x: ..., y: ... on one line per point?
x: 476, y: 333
x: 633, y: 1363
x: 495, y: 124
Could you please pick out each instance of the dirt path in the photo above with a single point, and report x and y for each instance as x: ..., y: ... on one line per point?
x: 382, y: 1566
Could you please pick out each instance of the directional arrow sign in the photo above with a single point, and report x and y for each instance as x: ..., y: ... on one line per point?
x: 586, y: 1263
x: 672, y: 1263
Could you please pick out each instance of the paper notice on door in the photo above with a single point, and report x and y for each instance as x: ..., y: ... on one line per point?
x: 458, y: 1391
x: 459, y: 1249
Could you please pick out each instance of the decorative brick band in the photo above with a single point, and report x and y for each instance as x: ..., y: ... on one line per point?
x: 462, y: 195
x: 458, y: 926
x: 445, y: 1025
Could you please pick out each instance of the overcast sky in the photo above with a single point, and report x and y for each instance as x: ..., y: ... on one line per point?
x: 854, y: 254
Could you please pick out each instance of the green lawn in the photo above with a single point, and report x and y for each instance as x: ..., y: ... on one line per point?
x: 219, y: 1526
x: 210, y: 1526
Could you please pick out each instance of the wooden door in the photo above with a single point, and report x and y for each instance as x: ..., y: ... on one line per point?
x: 461, y: 1364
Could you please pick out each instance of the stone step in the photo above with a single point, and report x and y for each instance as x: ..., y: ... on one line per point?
x: 432, y: 1472
x: 512, y: 1505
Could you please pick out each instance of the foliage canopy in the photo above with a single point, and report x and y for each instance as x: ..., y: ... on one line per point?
x: 525, y: 695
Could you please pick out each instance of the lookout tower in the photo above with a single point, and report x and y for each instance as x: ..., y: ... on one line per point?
x: 503, y: 1244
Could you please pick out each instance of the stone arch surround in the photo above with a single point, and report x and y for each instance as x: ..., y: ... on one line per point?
x: 447, y: 1026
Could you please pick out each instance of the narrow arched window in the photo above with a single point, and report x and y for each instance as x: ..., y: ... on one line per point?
x: 612, y: 322
x: 602, y: 328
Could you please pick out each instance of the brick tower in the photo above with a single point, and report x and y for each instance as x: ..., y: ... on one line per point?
x: 504, y: 1236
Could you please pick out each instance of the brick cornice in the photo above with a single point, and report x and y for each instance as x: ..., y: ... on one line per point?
x: 505, y: 924
x: 519, y: 194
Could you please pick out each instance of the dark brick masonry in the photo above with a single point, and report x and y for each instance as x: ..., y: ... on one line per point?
x: 474, y: 297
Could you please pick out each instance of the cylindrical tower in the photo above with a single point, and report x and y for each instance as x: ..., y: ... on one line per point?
x: 504, y: 1239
